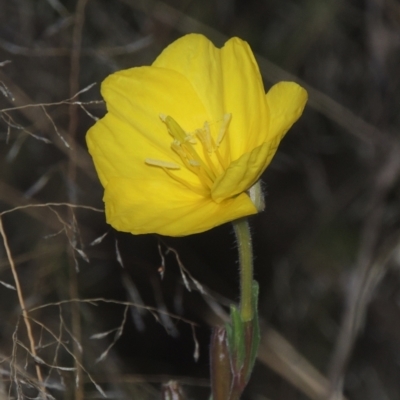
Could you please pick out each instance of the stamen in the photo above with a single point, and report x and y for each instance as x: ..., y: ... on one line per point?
x: 224, y: 128
x: 174, y: 129
x: 208, y: 142
x: 162, y: 164
x: 205, y: 162
x: 190, y: 138
x: 204, y: 178
x: 204, y: 135
x: 176, y: 146
x: 192, y: 165
x: 210, y: 163
x: 188, y: 185
x: 183, y: 147
x: 221, y: 160
x: 188, y: 148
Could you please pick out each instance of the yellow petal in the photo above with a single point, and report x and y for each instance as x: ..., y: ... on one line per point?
x: 196, y: 58
x: 132, y: 129
x: 198, y: 87
x: 226, y: 80
x: 286, y: 101
x: 244, y: 172
x: 244, y: 97
x: 141, y: 206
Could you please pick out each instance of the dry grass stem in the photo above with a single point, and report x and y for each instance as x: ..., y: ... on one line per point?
x: 32, y: 348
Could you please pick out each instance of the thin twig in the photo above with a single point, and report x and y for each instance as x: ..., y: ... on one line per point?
x: 95, y: 300
x: 72, y: 129
x: 23, y: 308
x: 50, y: 205
x: 80, y: 365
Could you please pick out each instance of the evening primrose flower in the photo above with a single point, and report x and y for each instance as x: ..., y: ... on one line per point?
x: 185, y: 139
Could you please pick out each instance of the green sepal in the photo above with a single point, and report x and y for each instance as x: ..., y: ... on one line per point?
x: 229, y: 336
x: 239, y: 338
x: 236, y: 339
x: 256, y: 330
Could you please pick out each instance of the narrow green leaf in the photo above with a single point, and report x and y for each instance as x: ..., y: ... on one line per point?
x: 256, y: 330
x: 239, y: 350
x: 229, y: 336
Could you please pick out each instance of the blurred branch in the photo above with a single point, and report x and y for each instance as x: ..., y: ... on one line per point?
x: 74, y: 79
x: 371, y: 266
x: 279, y: 355
x: 40, y: 121
x: 271, y: 72
x: 110, y: 51
x: 11, y: 196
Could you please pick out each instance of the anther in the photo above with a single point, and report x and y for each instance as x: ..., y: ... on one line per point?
x: 162, y: 164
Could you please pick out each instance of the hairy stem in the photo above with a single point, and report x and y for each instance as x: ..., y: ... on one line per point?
x: 243, y: 237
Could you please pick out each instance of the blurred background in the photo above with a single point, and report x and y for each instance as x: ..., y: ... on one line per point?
x: 110, y: 313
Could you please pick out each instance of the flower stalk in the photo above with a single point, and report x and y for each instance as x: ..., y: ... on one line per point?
x: 243, y: 237
x: 234, y: 348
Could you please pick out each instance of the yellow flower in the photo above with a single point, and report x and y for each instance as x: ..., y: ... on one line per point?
x: 186, y: 138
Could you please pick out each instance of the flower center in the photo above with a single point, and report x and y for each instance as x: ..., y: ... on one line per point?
x: 198, y: 151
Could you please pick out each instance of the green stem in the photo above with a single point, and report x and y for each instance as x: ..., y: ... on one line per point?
x: 243, y: 237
